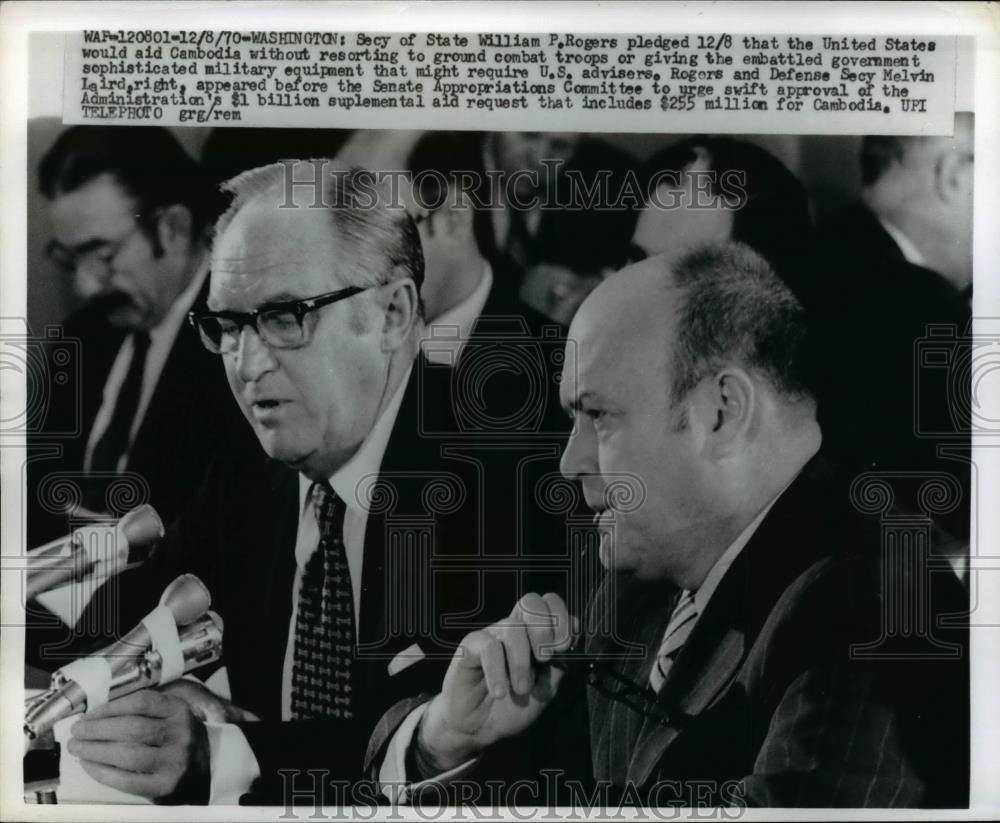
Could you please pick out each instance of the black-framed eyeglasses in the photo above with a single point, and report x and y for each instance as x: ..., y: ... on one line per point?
x: 607, y: 680
x: 281, y: 325
x: 95, y: 254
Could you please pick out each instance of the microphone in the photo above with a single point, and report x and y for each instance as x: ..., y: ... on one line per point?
x: 87, y: 681
x: 200, y: 643
x: 182, y: 602
x: 69, y: 559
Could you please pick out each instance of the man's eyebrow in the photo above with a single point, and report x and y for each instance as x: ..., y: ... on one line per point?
x: 577, y: 402
x: 77, y: 248
x: 280, y: 297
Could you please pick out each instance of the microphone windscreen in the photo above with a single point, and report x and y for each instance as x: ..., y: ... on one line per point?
x: 187, y: 598
x: 141, y: 526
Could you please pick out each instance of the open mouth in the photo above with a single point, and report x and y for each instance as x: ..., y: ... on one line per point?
x: 266, y: 404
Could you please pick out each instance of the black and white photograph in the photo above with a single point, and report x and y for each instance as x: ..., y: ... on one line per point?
x: 460, y: 411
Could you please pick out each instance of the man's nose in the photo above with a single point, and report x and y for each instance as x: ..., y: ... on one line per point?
x: 253, y: 358
x: 90, y: 280
x: 579, y: 457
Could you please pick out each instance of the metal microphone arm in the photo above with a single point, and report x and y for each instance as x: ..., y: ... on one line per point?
x: 71, y: 558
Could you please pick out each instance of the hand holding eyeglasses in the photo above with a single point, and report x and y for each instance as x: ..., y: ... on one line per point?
x: 499, y: 681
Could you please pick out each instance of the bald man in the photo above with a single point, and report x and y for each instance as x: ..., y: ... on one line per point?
x: 735, y: 649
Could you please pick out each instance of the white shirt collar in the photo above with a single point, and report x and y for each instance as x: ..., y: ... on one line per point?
x: 445, y: 335
x: 718, y: 571
x: 910, y: 251
x: 177, y: 314
x: 351, y: 480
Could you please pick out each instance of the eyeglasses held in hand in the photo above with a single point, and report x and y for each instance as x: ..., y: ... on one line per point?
x: 281, y: 325
x: 603, y: 677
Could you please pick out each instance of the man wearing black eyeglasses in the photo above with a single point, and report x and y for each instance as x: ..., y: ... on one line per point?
x: 752, y: 642
x: 350, y: 547
x: 129, y: 210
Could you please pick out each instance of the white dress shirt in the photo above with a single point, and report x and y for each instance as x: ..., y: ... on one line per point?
x: 392, y: 774
x: 161, y: 341
x: 233, y: 764
x: 445, y: 335
x: 910, y: 252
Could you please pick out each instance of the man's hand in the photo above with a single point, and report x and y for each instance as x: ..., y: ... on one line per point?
x: 146, y: 743
x: 206, y: 705
x: 499, y: 682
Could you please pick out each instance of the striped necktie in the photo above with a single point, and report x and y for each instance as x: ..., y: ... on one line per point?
x: 324, y: 624
x: 681, y: 622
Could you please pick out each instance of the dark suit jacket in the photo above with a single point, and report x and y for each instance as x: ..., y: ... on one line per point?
x: 503, y: 397
x: 445, y: 551
x: 191, y: 407
x: 892, y: 362
x: 794, y: 688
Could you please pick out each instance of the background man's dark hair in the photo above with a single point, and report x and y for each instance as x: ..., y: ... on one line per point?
x: 147, y: 162
x: 877, y: 155
x: 773, y: 218
x: 457, y: 158
x: 228, y: 152
x: 735, y: 309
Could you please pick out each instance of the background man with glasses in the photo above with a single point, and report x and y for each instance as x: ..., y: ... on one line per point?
x: 751, y: 644
x: 129, y: 210
x: 349, y: 557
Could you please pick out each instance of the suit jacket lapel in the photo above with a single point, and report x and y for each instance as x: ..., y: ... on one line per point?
x: 703, y: 668
x: 277, y: 547
x: 407, y: 465
x: 622, y: 609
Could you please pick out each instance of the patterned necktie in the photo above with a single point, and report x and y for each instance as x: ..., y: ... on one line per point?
x: 324, y: 625
x: 681, y: 622
x: 113, y: 443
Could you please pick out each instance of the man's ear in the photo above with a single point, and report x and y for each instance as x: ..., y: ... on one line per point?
x: 399, y: 302
x: 952, y: 176
x: 725, y: 407
x: 460, y: 213
x: 174, y: 228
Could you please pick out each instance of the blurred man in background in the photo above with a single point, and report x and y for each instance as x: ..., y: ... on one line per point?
x: 562, y: 220
x: 130, y: 211
x: 890, y: 277
x: 711, y: 189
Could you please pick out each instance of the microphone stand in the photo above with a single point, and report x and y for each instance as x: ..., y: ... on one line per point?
x: 41, y: 768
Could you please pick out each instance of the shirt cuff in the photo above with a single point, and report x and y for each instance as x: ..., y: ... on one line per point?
x: 392, y: 775
x: 233, y: 764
